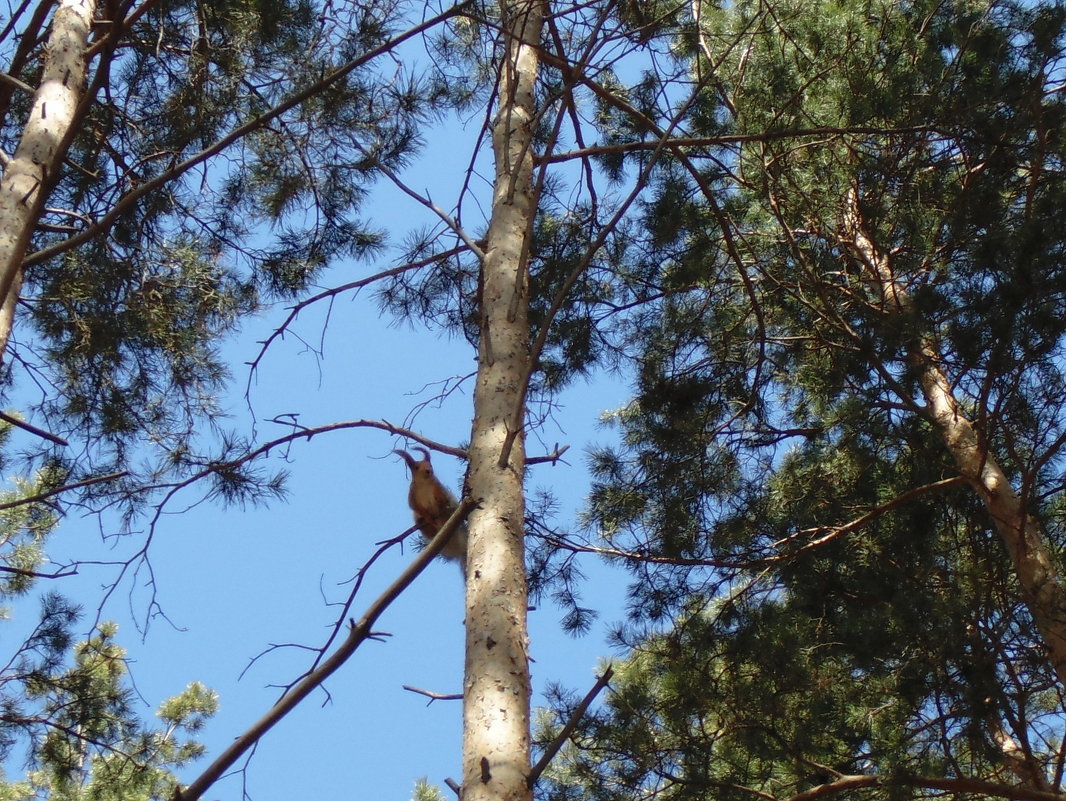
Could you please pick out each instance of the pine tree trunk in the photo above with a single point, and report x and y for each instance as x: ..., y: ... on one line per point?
x: 28, y: 176
x: 497, y: 687
x: 1041, y: 584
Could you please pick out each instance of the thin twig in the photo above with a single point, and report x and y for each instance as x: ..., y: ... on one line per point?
x: 329, y: 294
x: 427, y: 201
x: 338, y: 624
x: 434, y: 696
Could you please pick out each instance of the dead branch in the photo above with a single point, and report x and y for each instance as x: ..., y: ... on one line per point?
x: 433, y: 696
x: 568, y: 729
x: 360, y: 631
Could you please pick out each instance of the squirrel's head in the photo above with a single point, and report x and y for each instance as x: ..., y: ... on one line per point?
x: 416, y: 466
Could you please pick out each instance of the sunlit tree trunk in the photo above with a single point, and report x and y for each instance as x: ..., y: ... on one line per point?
x: 496, y: 687
x: 45, y: 139
x: 1020, y: 532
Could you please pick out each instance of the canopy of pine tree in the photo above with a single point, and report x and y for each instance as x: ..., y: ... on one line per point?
x: 824, y: 239
x: 839, y: 486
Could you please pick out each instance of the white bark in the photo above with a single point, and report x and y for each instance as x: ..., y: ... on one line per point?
x: 45, y: 139
x: 1021, y: 533
x: 496, y: 688
x: 1018, y: 760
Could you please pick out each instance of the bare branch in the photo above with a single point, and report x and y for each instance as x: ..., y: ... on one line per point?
x: 568, y: 729
x: 703, y: 142
x: 427, y: 201
x: 11, y: 80
x: 66, y: 488
x: 338, y: 625
x: 566, y: 544
x: 302, y: 431
x: 73, y: 571
x: 360, y: 631
x: 433, y: 696
x: 952, y: 785
x: 40, y: 432
x: 329, y: 294
x: 873, y: 514
x: 554, y: 457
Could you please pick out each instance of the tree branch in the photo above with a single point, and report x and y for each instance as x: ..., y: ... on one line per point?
x: 724, y: 140
x: 568, y: 729
x: 873, y: 514
x: 432, y: 696
x: 65, y: 488
x: 951, y: 785
x: 360, y: 631
x: 427, y: 201
x: 134, y: 195
x: 34, y: 574
x: 11, y: 80
x: 294, y: 311
x: 40, y: 432
x: 554, y: 457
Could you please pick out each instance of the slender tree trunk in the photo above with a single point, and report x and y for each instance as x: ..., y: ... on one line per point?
x: 28, y: 175
x: 1041, y: 584
x: 496, y: 687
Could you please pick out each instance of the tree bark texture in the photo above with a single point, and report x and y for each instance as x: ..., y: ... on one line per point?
x: 29, y: 174
x: 1021, y: 533
x: 497, y: 687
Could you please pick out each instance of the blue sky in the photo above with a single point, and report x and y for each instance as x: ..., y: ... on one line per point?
x: 239, y: 582
x: 234, y: 583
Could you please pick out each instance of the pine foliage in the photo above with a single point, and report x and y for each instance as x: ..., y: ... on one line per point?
x: 819, y: 600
